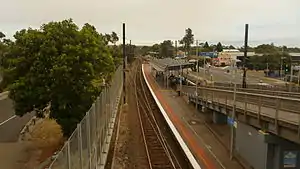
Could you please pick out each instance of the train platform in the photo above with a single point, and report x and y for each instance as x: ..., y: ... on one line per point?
x: 206, y: 149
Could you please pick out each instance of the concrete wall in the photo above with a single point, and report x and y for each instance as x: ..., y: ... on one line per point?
x: 266, y: 151
x: 251, y: 146
x: 277, y: 152
x: 219, y: 118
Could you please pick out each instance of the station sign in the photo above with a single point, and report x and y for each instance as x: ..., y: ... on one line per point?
x: 209, y: 54
x: 231, y: 122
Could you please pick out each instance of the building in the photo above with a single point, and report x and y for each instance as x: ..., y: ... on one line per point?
x: 180, y: 54
x: 295, y: 57
x: 208, y: 54
x: 228, y: 56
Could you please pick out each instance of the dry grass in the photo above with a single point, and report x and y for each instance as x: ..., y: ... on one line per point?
x: 46, y: 133
x: 47, y: 138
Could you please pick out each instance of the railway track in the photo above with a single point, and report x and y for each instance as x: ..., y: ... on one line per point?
x: 159, y: 153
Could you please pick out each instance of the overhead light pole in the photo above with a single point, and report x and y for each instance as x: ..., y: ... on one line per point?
x: 245, y: 55
x: 281, y: 58
x: 197, y: 76
x: 204, y: 69
x: 291, y: 77
x: 232, y: 136
x: 124, y: 65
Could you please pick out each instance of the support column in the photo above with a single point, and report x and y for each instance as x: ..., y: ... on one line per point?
x: 219, y: 118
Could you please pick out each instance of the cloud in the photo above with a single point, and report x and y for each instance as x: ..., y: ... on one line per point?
x: 156, y: 20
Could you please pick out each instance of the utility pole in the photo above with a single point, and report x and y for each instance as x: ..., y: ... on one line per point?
x: 197, y: 76
x: 267, y: 68
x: 130, y: 50
x: 124, y: 65
x: 180, y: 73
x: 204, y: 73
x: 298, y: 80
x: 281, y: 58
x: 232, y: 136
x: 180, y: 76
x: 175, y: 48
x: 291, y: 78
x: 245, y: 55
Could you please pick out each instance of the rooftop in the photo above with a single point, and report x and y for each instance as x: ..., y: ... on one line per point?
x: 170, y: 64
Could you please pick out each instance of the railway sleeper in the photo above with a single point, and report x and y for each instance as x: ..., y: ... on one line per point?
x: 151, y: 135
x: 159, y: 153
x: 160, y: 162
x: 157, y: 149
x: 153, y: 141
x: 158, y: 166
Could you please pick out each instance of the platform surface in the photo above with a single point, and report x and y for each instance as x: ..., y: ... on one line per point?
x: 205, y: 147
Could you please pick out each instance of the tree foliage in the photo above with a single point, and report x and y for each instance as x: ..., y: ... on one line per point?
x: 2, y: 35
x: 4, y: 49
x: 206, y: 45
x: 144, y: 50
x: 130, y: 52
x: 111, y: 38
x: 231, y: 47
x: 114, y: 37
x: 166, y: 49
x: 272, y: 61
x: 219, y: 47
x: 58, y: 65
x: 265, y: 48
x: 187, y: 40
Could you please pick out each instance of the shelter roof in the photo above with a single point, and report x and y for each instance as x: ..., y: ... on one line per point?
x: 170, y: 64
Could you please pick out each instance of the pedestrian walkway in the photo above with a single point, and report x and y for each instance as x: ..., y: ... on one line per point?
x: 287, y: 111
x: 202, y: 143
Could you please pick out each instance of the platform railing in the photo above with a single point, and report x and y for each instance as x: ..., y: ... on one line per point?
x: 257, y: 91
x: 88, y: 145
x: 276, y: 107
x: 286, y: 87
x: 263, y: 91
x: 283, y: 88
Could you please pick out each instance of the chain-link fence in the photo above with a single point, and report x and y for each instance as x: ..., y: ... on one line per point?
x: 88, y: 145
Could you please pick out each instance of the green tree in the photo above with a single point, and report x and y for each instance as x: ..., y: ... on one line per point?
x: 114, y: 38
x: 219, y: 47
x: 115, y: 50
x: 2, y: 51
x: 130, y: 52
x: 295, y: 50
x: 206, y: 45
x: 166, y: 49
x: 59, y: 64
x: 2, y: 35
x: 155, y: 48
x: 231, y: 47
x: 187, y: 40
x: 107, y: 38
x: 265, y: 49
x: 273, y: 61
x: 144, y: 50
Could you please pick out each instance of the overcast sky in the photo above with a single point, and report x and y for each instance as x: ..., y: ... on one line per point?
x: 149, y: 21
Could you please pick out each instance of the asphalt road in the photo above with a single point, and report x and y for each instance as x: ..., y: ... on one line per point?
x: 220, y: 75
x: 6, y: 109
x: 10, y: 125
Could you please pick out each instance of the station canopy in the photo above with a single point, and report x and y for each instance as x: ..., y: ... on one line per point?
x: 170, y: 64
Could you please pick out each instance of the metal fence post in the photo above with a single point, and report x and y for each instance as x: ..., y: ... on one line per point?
x: 96, y: 157
x: 88, y: 125
x: 106, y: 112
x: 69, y: 154
x: 80, y: 145
x: 276, y: 115
x: 109, y: 109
